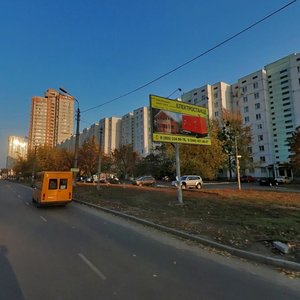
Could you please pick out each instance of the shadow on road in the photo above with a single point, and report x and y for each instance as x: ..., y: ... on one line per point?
x: 9, y: 286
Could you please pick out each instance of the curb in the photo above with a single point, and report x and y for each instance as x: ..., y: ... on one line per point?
x: 276, y: 262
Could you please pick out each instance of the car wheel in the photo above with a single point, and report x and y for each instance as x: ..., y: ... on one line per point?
x: 198, y: 186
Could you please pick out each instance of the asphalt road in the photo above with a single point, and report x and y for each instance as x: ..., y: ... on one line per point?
x: 78, y: 252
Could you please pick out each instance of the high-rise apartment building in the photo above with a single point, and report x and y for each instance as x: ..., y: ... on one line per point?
x: 268, y: 101
x: 51, y: 119
x: 111, y: 134
x: 127, y: 129
x: 17, y: 148
x: 142, y: 131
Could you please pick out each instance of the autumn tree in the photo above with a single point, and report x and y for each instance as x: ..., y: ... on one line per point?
x: 88, y: 156
x: 157, y: 163
x: 294, y: 143
x: 204, y: 160
x: 125, y: 160
x: 235, y: 136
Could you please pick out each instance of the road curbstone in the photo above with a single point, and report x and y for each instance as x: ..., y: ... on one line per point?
x: 276, y: 262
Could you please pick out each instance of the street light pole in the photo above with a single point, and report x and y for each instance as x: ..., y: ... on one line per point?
x: 75, y: 163
x: 99, y: 160
x: 237, y: 158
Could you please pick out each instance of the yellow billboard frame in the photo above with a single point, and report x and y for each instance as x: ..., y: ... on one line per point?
x: 178, y: 109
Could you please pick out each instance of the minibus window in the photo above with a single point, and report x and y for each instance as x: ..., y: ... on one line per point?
x: 52, y: 184
x: 63, y: 184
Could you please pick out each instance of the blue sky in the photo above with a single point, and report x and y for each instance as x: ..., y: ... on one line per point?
x: 99, y: 50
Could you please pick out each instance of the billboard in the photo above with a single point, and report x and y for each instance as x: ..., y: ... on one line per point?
x: 178, y: 122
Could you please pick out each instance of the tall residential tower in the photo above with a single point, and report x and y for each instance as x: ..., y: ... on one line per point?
x: 51, y: 119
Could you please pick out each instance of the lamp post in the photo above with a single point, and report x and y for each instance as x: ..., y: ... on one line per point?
x: 178, y: 89
x: 75, y: 163
x: 99, y: 159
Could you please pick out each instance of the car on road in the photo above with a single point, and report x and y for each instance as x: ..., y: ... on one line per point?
x: 144, y: 180
x: 189, y: 181
x: 268, y: 181
x: 247, y: 179
x: 283, y: 179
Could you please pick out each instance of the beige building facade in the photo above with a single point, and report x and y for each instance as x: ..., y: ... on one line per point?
x: 51, y: 119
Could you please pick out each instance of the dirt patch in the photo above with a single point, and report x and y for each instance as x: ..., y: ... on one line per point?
x: 248, y: 220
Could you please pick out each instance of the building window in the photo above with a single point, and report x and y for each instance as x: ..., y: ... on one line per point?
x: 261, y: 148
x: 262, y: 159
x: 260, y: 137
x: 245, y: 99
x: 256, y: 95
x: 247, y: 119
x: 244, y: 89
x: 298, y: 69
x: 258, y: 116
x: 216, y: 104
x: 246, y: 109
x: 216, y: 114
x: 257, y: 105
x: 259, y: 126
x: 215, y: 95
x: 255, y: 85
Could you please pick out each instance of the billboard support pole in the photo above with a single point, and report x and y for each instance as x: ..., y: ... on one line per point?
x: 178, y: 175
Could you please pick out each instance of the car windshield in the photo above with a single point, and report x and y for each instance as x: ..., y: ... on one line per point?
x: 183, y: 177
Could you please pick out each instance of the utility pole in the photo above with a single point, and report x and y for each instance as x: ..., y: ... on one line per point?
x: 75, y: 163
x: 178, y: 175
x: 99, y: 159
x: 237, y: 158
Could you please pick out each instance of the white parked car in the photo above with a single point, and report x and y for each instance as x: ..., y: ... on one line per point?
x: 189, y: 181
x: 283, y: 179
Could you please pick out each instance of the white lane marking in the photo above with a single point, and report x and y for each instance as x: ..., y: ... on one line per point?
x: 93, y: 267
x: 43, y: 218
x: 27, y: 203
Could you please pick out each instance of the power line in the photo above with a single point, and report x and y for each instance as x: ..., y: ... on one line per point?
x: 196, y: 57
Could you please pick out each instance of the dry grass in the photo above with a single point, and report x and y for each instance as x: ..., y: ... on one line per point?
x: 244, y: 219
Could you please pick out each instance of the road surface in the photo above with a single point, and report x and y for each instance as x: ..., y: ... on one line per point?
x: 78, y: 252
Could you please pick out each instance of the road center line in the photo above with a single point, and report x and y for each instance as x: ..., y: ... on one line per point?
x: 93, y: 267
x: 43, y: 218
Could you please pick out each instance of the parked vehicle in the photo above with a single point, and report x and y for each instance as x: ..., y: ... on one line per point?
x: 190, y: 181
x: 52, y: 188
x: 269, y: 181
x: 145, y: 180
x: 247, y: 179
x: 283, y: 179
x: 113, y: 180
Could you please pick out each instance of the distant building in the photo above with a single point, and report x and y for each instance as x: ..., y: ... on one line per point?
x: 51, y: 119
x: 268, y: 101
x: 111, y: 134
x: 127, y: 129
x: 142, y: 143
x: 17, y: 148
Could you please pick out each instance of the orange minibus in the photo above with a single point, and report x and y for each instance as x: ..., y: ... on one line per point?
x: 52, y: 188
